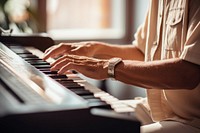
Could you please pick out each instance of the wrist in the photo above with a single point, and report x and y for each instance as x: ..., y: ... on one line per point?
x: 102, y: 50
x: 92, y: 47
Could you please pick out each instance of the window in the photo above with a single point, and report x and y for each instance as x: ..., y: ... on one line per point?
x: 85, y: 19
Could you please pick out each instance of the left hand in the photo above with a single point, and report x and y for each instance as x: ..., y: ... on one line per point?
x: 90, y: 67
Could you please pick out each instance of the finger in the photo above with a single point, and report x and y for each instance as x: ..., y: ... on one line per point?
x: 57, y: 61
x: 60, y: 64
x: 70, y: 66
x: 62, y: 61
x: 87, y: 70
x: 70, y: 58
x: 55, y: 51
x: 83, y: 59
x: 49, y: 49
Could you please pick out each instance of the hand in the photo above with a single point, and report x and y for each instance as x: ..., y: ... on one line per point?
x: 81, y: 48
x: 90, y: 67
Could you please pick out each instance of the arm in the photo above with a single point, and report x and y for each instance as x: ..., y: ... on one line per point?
x: 95, y: 49
x: 166, y: 74
x: 126, y: 52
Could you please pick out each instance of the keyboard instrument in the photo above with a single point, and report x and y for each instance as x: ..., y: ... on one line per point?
x: 35, y: 99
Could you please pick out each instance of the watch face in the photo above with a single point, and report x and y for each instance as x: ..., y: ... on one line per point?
x: 115, y: 60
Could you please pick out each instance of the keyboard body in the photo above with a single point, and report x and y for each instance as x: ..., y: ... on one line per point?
x: 33, y: 99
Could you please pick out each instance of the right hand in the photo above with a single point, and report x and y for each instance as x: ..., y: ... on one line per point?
x: 81, y: 48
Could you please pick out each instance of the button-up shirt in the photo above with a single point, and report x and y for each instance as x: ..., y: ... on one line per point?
x: 172, y: 30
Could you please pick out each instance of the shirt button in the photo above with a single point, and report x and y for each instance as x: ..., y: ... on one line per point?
x: 155, y: 43
x: 173, y: 20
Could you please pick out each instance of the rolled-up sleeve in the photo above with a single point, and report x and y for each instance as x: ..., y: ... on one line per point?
x: 191, y: 50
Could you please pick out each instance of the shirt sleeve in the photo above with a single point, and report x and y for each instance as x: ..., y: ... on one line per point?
x: 140, y: 36
x: 191, y: 50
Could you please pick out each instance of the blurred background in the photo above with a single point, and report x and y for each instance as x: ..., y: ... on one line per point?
x: 112, y: 21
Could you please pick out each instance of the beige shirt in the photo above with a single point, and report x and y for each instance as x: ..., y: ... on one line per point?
x: 172, y: 30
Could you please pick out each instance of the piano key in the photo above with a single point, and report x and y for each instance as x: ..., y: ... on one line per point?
x: 31, y: 59
x: 44, y: 69
x: 99, y: 105
x: 56, y: 76
x: 50, y: 72
x: 73, y: 86
x: 66, y: 82
x: 124, y: 109
x: 27, y: 55
x: 36, y: 62
x: 42, y: 66
x: 94, y: 100
x: 89, y: 97
x: 19, y: 50
x: 101, y: 94
x: 69, y: 82
x: 81, y: 92
x: 63, y: 80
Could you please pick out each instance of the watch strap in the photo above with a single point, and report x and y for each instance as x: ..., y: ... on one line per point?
x: 111, y: 66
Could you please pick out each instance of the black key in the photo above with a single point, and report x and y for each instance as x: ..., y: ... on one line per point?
x: 19, y: 50
x: 50, y: 72
x: 73, y: 86
x: 38, y: 63
x: 57, y: 76
x: 101, y: 104
x: 27, y: 55
x: 60, y: 80
x: 31, y: 59
x: 88, y: 97
x: 92, y: 98
x: 70, y: 84
x: 66, y: 81
x: 42, y: 66
x: 81, y: 92
x: 44, y: 69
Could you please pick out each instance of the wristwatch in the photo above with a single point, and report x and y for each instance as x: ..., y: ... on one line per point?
x: 111, y: 66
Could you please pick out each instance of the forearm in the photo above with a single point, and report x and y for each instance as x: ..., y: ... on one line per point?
x: 166, y: 74
x: 126, y: 52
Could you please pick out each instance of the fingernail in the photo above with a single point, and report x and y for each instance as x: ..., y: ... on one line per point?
x: 52, y: 68
x: 59, y: 72
x: 44, y: 57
